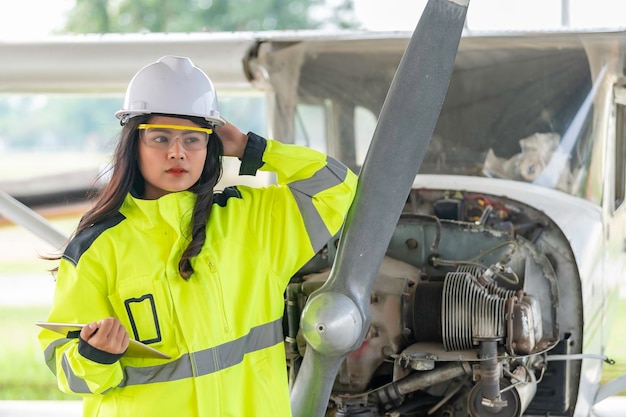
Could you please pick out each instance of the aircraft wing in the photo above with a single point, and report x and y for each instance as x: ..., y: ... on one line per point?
x: 105, y: 63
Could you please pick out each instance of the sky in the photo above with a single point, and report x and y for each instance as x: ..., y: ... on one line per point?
x: 497, y: 14
x: 32, y: 19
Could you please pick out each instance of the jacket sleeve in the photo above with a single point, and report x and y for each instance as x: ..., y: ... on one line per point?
x: 79, y: 298
x: 300, y: 214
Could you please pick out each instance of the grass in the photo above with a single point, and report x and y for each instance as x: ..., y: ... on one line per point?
x: 615, y: 348
x: 25, y: 375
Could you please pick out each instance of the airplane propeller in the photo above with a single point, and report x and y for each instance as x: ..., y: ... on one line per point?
x: 336, y: 317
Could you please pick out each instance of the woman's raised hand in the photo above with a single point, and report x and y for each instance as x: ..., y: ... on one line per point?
x: 233, y: 140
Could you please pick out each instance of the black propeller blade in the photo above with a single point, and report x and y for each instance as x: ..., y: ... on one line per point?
x: 336, y: 317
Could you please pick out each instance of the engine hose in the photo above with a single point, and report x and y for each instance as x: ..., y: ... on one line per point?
x: 489, y: 371
x: 394, y: 392
x: 293, y: 316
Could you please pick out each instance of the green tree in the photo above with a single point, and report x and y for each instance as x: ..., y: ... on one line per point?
x: 128, y: 16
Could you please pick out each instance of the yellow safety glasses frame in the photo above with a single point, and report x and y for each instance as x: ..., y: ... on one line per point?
x: 145, y: 126
x: 160, y: 136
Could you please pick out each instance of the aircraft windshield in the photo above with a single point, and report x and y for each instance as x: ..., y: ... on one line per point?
x: 523, y: 117
x: 520, y: 112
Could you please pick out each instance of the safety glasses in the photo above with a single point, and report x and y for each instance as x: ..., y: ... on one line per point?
x: 162, y: 136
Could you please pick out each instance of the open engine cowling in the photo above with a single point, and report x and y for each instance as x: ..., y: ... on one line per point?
x: 462, y: 313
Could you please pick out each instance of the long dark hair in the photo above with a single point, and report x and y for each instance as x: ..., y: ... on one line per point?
x: 125, y: 176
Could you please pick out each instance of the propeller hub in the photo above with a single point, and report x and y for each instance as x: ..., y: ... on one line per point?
x: 331, y: 323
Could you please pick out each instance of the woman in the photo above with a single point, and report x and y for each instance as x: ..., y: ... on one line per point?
x: 197, y: 275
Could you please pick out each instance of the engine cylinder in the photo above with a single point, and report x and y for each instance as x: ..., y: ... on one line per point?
x: 427, y: 312
x: 470, y: 312
x: 459, y: 311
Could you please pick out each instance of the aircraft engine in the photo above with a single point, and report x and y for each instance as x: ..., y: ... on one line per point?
x: 462, y: 314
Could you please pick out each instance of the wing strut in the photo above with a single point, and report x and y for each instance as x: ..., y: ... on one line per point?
x: 20, y: 214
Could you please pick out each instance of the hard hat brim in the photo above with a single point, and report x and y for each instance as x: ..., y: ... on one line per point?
x: 216, y: 119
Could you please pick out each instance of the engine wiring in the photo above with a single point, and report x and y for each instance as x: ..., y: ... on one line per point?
x: 499, y: 271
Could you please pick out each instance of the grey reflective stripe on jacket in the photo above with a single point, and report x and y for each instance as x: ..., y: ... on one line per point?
x: 303, y: 192
x: 189, y: 365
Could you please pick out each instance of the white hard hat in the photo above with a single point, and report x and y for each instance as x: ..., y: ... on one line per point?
x: 172, y: 85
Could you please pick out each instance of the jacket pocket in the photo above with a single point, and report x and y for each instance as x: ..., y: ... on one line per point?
x: 144, y: 307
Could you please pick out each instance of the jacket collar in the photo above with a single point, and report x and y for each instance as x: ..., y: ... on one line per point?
x: 174, y: 209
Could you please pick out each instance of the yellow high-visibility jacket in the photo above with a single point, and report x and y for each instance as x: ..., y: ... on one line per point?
x: 222, y: 327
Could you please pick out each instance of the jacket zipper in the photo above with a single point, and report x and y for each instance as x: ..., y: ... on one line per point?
x: 218, y: 284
